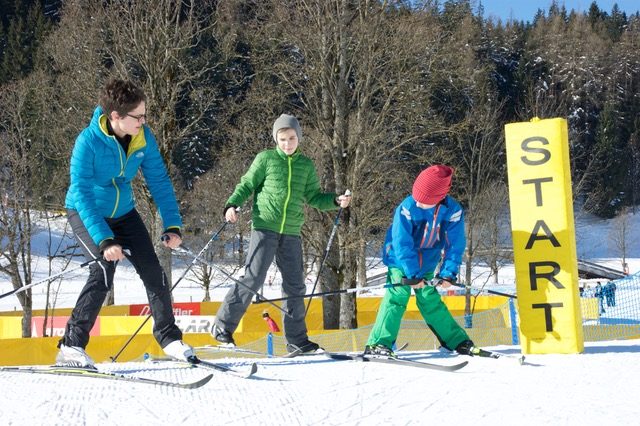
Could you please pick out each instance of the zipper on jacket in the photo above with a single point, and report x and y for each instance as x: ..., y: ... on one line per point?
x: 286, y: 202
x: 424, y: 234
x: 433, y: 227
x: 113, y: 180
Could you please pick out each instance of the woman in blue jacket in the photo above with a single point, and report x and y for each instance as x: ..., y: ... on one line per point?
x: 427, y: 230
x: 101, y: 211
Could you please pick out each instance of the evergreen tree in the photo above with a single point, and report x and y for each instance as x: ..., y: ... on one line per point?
x: 595, y: 15
x: 26, y: 29
x: 616, y: 23
x: 606, y: 194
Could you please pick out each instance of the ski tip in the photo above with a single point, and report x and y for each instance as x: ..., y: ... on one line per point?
x: 253, y: 370
x: 201, y: 382
x: 457, y: 367
x: 293, y: 354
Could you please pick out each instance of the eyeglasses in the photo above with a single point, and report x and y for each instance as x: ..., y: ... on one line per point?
x: 138, y: 118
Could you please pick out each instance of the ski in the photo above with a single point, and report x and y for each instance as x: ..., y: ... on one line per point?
x: 210, y: 365
x: 483, y: 353
x: 234, y: 349
x: 402, y: 348
x: 298, y: 352
x: 96, y: 374
x: 199, y: 363
x: 395, y: 361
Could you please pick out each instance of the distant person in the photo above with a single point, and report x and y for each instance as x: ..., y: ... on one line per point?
x: 610, y: 293
x: 282, y: 181
x: 101, y: 211
x: 427, y: 231
x: 599, y: 293
x: 606, y: 292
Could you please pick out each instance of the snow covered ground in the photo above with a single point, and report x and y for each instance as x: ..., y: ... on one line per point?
x: 594, y: 388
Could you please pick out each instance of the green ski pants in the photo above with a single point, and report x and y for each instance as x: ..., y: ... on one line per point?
x: 431, y: 307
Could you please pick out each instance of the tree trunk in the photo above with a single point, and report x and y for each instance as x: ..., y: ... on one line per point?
x: 348, y: 306
x: 27, y: 312
x: 330, y: 281
x: 468, y: 318
x: 26, y: 322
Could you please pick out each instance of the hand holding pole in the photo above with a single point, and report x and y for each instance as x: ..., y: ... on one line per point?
x: 343, y: 200
x: 184, y: 273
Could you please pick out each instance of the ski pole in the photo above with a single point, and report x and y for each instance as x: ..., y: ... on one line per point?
x: 235, y: 280
x: 336, y: 222
x: 50, y: 278
x: 329, y: 293
x: 513, y: 296
x: 405, y: 282
x: 206, y: 246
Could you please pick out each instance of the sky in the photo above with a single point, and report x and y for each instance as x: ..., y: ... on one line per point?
x: 525, y: 10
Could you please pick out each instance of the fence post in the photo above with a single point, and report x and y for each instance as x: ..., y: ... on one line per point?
x: 514, y: 326
x: 270, y: 344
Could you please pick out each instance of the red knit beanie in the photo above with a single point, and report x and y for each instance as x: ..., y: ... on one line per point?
x: 432, y: 184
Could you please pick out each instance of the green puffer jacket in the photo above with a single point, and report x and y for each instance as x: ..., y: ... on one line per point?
x: 282, y: 185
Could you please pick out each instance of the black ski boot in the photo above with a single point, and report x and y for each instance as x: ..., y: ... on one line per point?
x: 380, y: 351
x: 466, y: 348
x: 307, y: 347
x: 223, y: 336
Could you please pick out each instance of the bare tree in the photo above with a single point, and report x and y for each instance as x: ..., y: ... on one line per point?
x: 358, y: 73
x: 571, y: 65
x: 619, y: 235
x: 161, y: 45
x: 16, y: 168
x: 56, y: 250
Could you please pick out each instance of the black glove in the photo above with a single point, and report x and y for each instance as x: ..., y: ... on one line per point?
x: 437, y: 280
x: 106, y: 244
x: 165, y: 237
x: 410, y: 281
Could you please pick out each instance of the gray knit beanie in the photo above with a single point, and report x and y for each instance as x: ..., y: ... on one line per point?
x: 286, y: 121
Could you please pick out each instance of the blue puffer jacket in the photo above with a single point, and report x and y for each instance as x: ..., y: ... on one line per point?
x: 101, y: 175
x: 419, y: 238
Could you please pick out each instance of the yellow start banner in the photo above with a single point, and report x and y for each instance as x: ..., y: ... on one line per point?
x: 543, y: 235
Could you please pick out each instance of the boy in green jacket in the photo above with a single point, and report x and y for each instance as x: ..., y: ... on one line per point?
x: 282, y: 180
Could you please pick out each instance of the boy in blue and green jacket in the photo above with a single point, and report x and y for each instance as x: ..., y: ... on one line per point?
x: 427, y: 231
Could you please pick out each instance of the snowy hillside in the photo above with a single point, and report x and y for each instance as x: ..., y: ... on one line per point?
x: 594, y: 242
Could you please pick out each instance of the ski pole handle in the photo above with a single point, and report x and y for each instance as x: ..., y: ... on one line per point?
x: 55, y: 276
x: 233, y: 216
